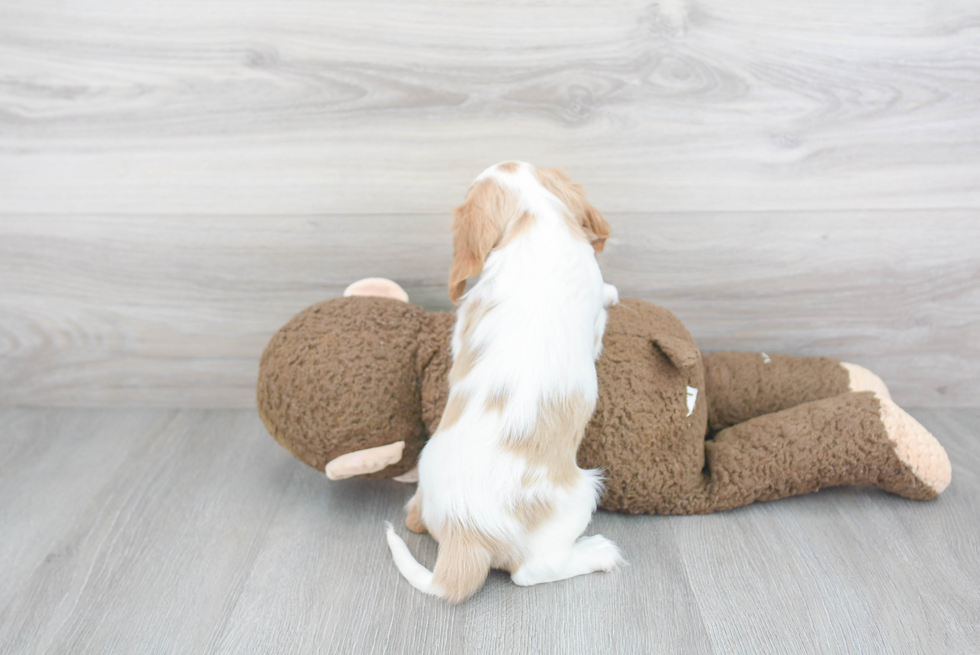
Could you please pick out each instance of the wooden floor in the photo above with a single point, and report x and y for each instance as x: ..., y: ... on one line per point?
x: 192, y: 531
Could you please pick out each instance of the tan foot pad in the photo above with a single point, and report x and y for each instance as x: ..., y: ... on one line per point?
x: 861, y: 379
x: 916, y: 447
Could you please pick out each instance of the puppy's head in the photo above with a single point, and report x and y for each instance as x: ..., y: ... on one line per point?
x: 478, y: 225
x: 493, y: 214
x: 584, y: 220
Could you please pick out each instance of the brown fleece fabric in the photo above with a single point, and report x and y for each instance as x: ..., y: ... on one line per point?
x: 640, y: 436
x: 342, y: 376
x: 354, y: 373
x: 433, y: 363
x: 741, y: 386
x: 824, y: 443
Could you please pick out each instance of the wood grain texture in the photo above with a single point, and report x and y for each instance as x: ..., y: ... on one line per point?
x: 387, y: 106
x: 175, y: 310
x: 52, y: 464
x: 200, y: 534
x: 155, y: 560
x: 178, y: 179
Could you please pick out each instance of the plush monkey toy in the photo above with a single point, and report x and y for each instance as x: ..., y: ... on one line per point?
x: 353, y: 386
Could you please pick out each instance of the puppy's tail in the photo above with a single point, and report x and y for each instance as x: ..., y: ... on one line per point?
x: 416, y: 574
x: 461, y: 567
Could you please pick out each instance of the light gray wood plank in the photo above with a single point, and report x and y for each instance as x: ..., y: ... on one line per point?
x: 343, y: 594
x: 155, y: 561
x: 210, y: 538
x: 846, y: 570
x: 898, y: 292
x: 175, y: 310
x: 380, y: 107
x: 52, y: 464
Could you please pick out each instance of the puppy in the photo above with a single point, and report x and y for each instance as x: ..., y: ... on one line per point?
x: 498, y: 482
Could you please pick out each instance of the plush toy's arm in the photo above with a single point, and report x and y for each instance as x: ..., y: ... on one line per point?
x: 741, y: 386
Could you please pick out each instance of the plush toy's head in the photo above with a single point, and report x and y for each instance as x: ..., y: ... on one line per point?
x: 343, y: 384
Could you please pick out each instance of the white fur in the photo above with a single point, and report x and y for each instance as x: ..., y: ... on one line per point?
x: 416, y: 574
x: 539, y: 343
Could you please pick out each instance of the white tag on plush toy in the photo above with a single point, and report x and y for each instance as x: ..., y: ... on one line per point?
x: 692, y: 399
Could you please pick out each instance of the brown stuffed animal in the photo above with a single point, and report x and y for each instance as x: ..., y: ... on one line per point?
x: 355, y: 385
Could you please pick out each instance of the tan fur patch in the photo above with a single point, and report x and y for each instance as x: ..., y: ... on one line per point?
x: 455, y: 407
x: 509, y: 167
x: 497, y: 401
x: 584, y: 221
x: 532, y: 513
x: 464, y: 363
x: 555, y: 439
x: 465, y: 558
x: 478, y: 225
x: 414, y: 519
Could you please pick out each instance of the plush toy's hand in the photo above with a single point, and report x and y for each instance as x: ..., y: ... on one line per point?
x: 363, y: 462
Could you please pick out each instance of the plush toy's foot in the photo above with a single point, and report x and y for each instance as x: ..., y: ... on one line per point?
x: 918, y: 450
x: 851, y: 438
x: 861, y: 379
x: 915, y: 446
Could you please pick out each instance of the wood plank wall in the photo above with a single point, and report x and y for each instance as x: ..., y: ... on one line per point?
x: 177, y: 179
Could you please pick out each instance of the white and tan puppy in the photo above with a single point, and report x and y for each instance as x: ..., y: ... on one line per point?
x: 498, y: 482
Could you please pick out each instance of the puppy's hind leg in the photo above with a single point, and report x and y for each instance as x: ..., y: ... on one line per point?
x: 556, y: 551
x: 414, y: 519
x: 587, y: 555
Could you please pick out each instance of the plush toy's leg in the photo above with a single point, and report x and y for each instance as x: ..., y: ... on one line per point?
x: 853, y: 438
x: 740, y: 386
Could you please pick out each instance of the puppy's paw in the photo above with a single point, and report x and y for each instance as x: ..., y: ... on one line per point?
x: 603, y: 554
x: 610, y: 296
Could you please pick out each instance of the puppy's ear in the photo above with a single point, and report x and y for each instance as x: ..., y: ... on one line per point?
x: 595, y: 225
x: 477, y: 225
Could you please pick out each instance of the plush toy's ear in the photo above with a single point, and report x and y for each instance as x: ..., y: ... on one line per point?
x: 682, y: 354
x: 477, y: 226
x: 376, y: 286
